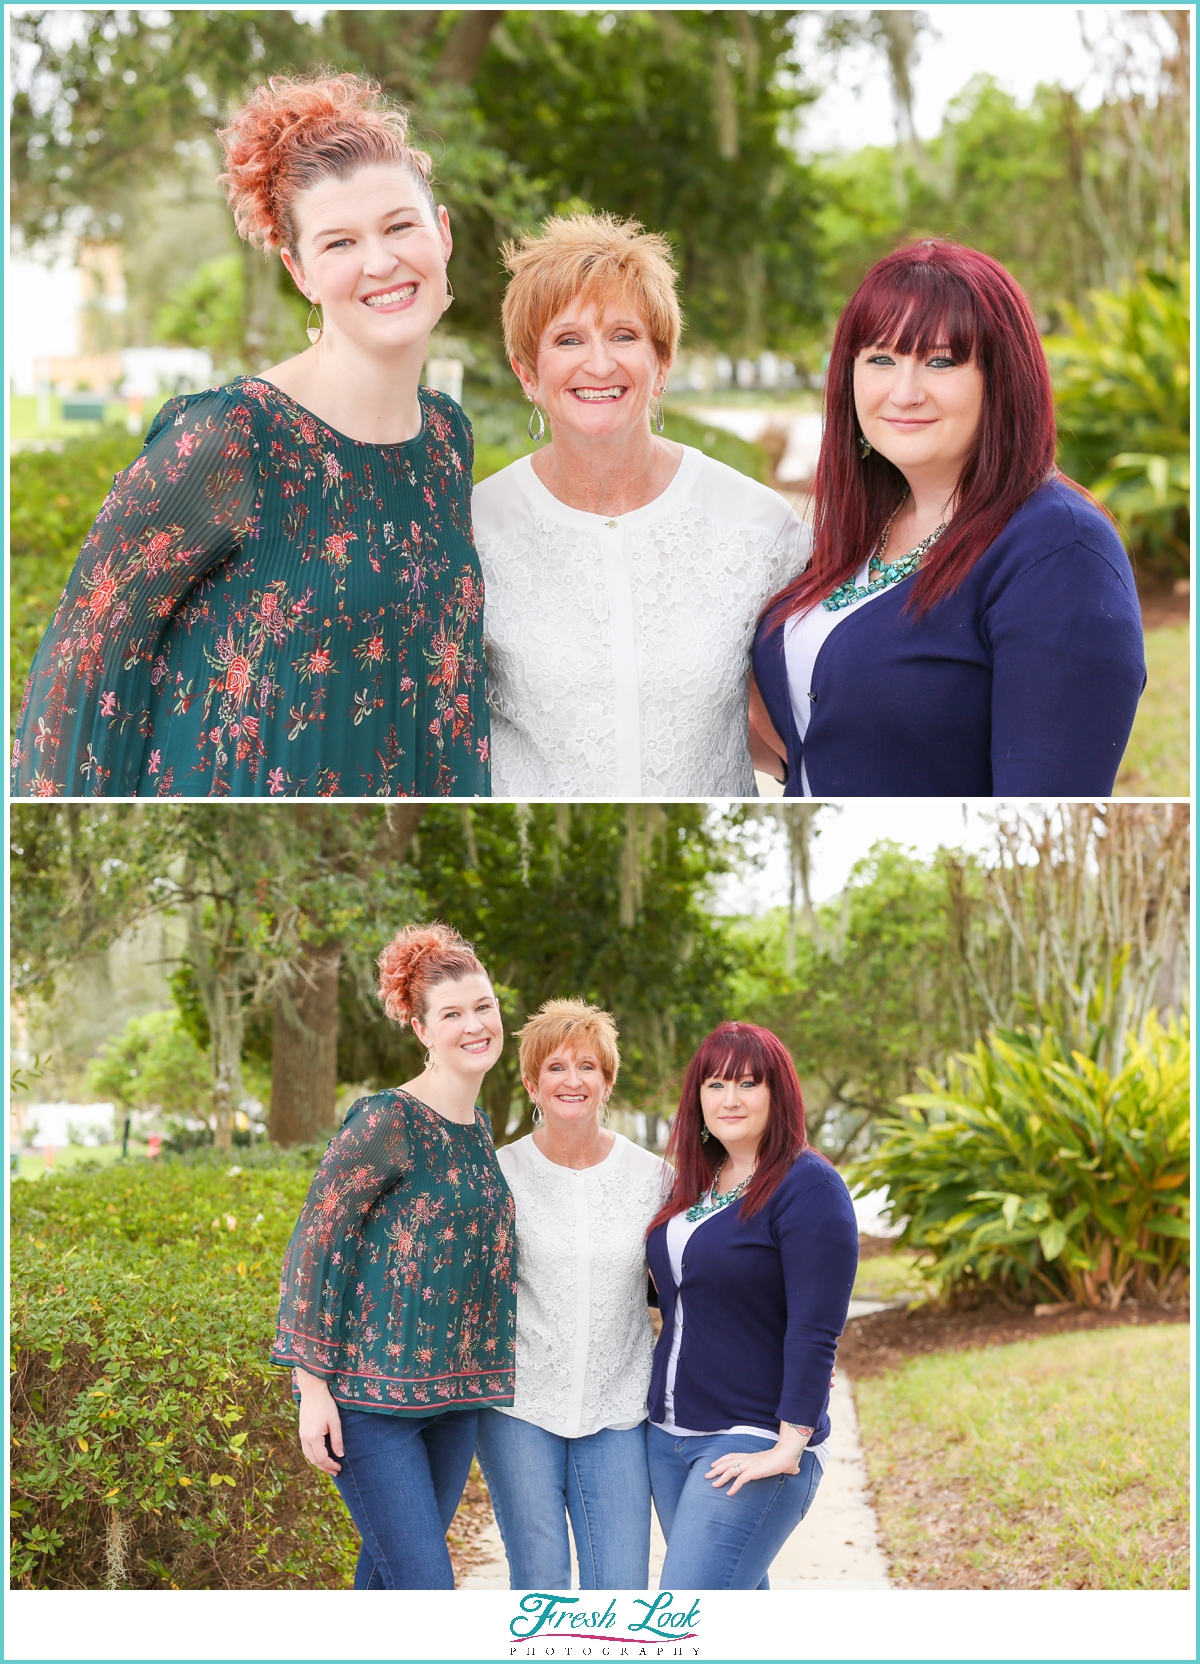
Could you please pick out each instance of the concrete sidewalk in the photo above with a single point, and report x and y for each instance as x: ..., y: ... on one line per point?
x: 836, y: 1547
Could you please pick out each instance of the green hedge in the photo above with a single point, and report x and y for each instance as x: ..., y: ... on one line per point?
x: 153, y: 1445
x: 1034, y: 1175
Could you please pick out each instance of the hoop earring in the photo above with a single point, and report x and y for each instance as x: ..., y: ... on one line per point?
x: 657, y: 416
x: 538, y: 1117
x: 429, y: 1063
x: 865, y: 446
x: 449, y: 296
x: 541, y: 432
x: 314, y: 335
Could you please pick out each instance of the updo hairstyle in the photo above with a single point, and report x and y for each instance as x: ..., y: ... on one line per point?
x: 415, y: 961
x: 570, y: 1026
x: 293, y: 132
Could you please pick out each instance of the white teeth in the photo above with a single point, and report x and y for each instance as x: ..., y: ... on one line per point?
x: 595, y: 394
x: 392, y: 296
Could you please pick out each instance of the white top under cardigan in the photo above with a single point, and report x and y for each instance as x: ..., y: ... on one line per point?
x: 618, y: 650
x: 584, y: 1341
x: 804, y: 636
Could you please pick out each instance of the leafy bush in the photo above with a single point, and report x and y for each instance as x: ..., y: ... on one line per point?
x: 153, y: 1445
x: 153, y: 1064
x: 1122, y: 393
x: 1034, y: 1174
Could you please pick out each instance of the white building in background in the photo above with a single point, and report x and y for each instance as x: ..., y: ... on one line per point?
x: 39, y: 1126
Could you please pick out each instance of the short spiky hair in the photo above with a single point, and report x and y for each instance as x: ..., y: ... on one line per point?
x: 570, y: 1026
x: 600, y: 259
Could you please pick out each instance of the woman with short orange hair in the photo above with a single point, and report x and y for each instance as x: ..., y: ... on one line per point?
x: 624, y: 572
x: 574, y: 1442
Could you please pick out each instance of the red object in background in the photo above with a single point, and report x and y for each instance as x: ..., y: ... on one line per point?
x: 153, y: 1145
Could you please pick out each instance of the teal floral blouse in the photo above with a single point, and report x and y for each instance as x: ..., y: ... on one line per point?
x: 265, y: 608
x: 399, y: 1284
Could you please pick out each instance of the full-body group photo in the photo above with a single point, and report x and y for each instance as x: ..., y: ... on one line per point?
x: 701, y: 1107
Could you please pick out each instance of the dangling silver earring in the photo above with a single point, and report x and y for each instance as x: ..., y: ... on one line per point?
x: 604, y: 1117
x: 657, y: 418
x: 449, y: 297
x: 429, y: 1063
x: 541, y: 432
x: 538, y: 1117
x: 865, y: 446
x: 314, y: 334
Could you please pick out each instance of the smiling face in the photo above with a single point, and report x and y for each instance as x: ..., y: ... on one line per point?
x: 373, y: 256
x: 570, y: 1087
x: 596, y: 372
x: 461, y: 1025
x: 919, y: 410
x: 736, y: 1110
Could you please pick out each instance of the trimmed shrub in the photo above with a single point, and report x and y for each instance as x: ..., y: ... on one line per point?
x: 153, y: 1444
x: 1033, y: 1174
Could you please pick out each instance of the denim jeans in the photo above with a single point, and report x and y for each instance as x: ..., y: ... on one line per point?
x: 402, y: 1478
x: 715, y: 1541
x: 537, y: 1478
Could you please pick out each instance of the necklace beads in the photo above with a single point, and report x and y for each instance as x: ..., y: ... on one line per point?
x: 715, y: 1203
x: 889, y: 572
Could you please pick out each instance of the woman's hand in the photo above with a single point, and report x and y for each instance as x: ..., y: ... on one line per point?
x: 319, y: 1418
x: 741, y: 1466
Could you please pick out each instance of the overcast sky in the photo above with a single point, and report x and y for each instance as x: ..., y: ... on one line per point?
x: 845, y: 834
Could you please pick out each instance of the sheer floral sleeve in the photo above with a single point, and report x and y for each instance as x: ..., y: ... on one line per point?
x: 364, y: 1160
x: 187, y: 503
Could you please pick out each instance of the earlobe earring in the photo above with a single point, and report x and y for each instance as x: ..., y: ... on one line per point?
x: 865, y: 446
x: 541, y: 429
x: 449, y: 296
x: 657, y: 417
x: 314, y: 334
x: 704, y: 1135
x: 538, y: 1117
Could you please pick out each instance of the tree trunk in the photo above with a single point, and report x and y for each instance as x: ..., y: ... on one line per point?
x: 226, y: 1019
x: 304, y: 1045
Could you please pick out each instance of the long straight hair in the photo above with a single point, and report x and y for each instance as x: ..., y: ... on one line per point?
x: 933, y: 294
x: 735, y: 1049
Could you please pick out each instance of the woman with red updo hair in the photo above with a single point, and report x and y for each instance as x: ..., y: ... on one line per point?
x: 397, y: 1306
x: 968, y: 624
x: 281, y: 595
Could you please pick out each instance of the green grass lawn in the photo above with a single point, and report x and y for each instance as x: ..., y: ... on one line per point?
x: 69, y: 1156
x: 1156, y: 761
x: 1049, y: 1464
x: 888, y: 1277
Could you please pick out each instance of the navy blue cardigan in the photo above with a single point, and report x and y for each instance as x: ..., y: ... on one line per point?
x: 1024, y: 682
x: 764, y: 1301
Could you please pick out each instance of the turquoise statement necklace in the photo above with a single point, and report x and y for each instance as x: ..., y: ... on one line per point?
x: 882, y: 574
x: 715, y: 1203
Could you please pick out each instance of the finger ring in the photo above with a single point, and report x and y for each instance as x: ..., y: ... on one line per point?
x: 737, y: 1467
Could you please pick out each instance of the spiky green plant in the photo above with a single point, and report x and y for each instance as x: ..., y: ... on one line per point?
x: 1034, y: 1173
x: 1122, y: 386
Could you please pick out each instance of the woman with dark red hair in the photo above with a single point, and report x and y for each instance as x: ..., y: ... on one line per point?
x: 753, y: 1257
x: 968, y: 623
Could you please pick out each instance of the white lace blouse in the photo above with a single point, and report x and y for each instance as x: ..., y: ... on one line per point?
x: 618, y: 650
x: 584, y: 1342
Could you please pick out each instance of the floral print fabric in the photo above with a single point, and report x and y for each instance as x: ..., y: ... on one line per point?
x: 399, y: 1282
x: 267, y: 608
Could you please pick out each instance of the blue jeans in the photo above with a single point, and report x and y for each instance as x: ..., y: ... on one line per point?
x: 402, y: 1478
x: 537, y: 1478
x: 715, y: 1541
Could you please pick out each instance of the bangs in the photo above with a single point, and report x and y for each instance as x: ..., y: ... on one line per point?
x: 914, y: 310
x: 740, y: 1052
